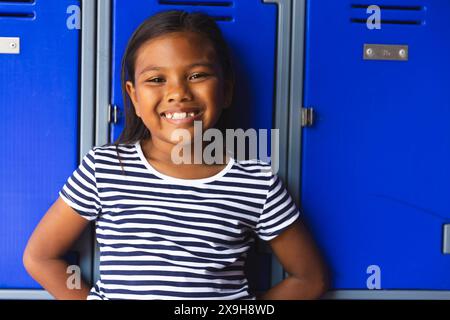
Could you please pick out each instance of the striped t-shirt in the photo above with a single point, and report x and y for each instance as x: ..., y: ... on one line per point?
x: 162, y: 237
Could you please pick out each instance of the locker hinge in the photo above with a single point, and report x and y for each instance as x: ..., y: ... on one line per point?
x: 113, y: 112
x: 446, y: 244
x: 307, y: 115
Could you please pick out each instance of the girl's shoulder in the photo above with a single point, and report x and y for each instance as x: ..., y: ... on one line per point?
x: 254, y: 166
x: 114, y: 150
x: 113, y: 146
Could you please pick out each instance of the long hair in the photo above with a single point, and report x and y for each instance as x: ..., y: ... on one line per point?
x: 157, y: 25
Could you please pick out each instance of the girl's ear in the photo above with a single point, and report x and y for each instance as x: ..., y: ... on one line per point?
x: 132, y: 94
x: 229, y: 89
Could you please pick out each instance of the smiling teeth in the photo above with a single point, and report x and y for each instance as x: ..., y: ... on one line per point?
x: 179, y: 115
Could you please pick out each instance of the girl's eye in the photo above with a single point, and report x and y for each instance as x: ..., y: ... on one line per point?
x: 155, y: 80
x: 197, y: 76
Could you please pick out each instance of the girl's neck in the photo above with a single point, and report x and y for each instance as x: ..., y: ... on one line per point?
x: 161, y: 152
x: 158, y: 154
x: 158, y: 151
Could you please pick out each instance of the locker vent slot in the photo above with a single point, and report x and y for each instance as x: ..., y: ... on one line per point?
x: 400, y: 9
x: 17, y: 1
x: 197, y: 3
x: 387, y: 7
x: 20, y: 15
x: 404, y: 22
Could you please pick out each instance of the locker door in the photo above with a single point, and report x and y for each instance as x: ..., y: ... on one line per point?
x: 253, y: 43
x: 375, y: 166
x: 39, y: 122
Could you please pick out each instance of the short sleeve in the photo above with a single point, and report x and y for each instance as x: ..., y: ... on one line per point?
x: 80, y: 191
x: 278, y: 213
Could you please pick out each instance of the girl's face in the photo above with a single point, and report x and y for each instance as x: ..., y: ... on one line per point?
x: 178, y: 80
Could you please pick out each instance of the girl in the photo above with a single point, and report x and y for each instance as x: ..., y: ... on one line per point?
x: 167, y: 230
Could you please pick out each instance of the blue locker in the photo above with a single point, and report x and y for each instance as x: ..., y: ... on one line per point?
x: 253, y: 44
x: 39, y: 123
x: 375, y: 165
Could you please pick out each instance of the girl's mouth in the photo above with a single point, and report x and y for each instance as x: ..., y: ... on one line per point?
x: 181, y: 117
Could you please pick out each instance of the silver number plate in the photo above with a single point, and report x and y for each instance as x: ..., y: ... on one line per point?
x: 9, y: 45
x: 386, y: 52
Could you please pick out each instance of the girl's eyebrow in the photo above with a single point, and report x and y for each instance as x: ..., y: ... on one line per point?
x: 202, y: 64
x: 150, y: 68
x: 197, y: 64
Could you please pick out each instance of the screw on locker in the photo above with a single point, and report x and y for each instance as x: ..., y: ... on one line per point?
x: 369, y: 52
x: 402, y: 53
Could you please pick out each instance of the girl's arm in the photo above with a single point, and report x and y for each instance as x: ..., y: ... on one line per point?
x: 51, y: 239
x: 299, y: 256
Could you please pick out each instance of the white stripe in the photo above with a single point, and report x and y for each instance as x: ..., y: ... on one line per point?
x: 175, y: 288
x: 153, y: 216
x: 194, y: 201
x: 129, y: 191
x: 170, y: 228
x: 149, y: 181
x: 152, y: 234
x: 123, y: 213
x: 172, y: 269
x: 178, y: 253
x: 171, y: 278
x: 194, y: 250
x: 170, y: 203
x: 107, y: 257
x: 166, y: 297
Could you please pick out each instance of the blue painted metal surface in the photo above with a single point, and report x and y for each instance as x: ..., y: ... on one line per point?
x: 375, y: 167
x: 39, y: 123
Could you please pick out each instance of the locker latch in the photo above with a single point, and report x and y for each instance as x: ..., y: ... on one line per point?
x: 307, y: 117
x: 113, y: 112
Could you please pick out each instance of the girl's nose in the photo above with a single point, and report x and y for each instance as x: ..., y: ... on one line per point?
x: 179, y: 93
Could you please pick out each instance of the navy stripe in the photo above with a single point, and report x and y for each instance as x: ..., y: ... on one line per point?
x: 169, y: 273
x: 175, y: 234
x: 180, y: 294
x: 130, y: 219
x: 178, y: 225
x: 154, y: 186
x: 199, y: 244
x: 176, y: 196
x: 168, y: 264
